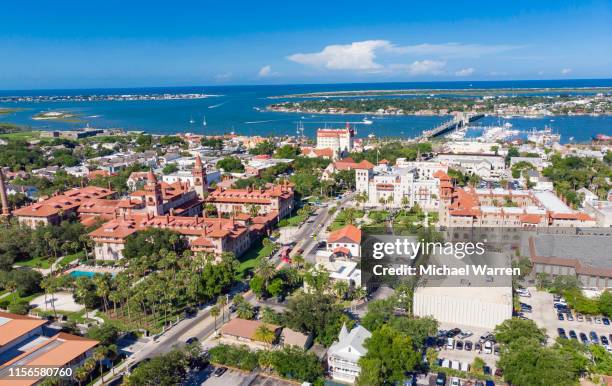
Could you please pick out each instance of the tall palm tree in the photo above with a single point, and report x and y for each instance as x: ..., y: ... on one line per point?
x: 266, y: 270
x: 264, y: 334
x: 244, y: 310
x: 102, y: 283
x: 340, y: 288
x: 360, y: 293
x: 80, y: 374
x: 222, y: 302
x: 98, y: 355
x: 214, y: 312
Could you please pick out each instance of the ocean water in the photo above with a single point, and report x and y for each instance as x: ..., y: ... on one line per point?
x: 239, y: 109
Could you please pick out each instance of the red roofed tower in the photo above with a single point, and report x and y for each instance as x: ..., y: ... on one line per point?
x: 153, y: 195
x: 200, y: 181
x: 3, y: 198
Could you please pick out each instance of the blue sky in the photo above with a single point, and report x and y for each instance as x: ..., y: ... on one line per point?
x: 72, y: 44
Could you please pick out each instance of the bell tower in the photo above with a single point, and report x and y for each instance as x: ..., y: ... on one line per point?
x: 153, y: 195
x: 3, y: 197
x: 200, y: 181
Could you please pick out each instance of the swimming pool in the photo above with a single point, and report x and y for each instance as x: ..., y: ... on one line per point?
x: 88, y: 274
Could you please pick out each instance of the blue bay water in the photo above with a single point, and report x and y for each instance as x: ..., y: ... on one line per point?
x: 239, y: 109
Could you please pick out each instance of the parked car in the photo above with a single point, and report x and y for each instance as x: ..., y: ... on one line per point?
x: 488, y: 347
x: 441, y: 379
x: 561, y: 333
x: 605, y: 321
x: 459, y: 345
x: 572, y: 334
x: 499, y: 372
x: 478, y: 347
x: 597, y: 320
x: 468, y: 346
x: 486, y: 370
x: 583, y: 338
x: 604, y: 340
x: 453, y: 333
x: 569, y: 317
x: 593, y: 336
x: 455, y: 381
x: 523, y: 292
x: 450, y: 344
x: 192, y: 340
x: 219, y: 371
x: 465, y: 334
x: 588, y: 319
x: 579, y: 317
x: 560, y: 316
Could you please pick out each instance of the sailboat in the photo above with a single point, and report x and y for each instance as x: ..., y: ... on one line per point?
x: 191, y: 120
x: 204, y: 121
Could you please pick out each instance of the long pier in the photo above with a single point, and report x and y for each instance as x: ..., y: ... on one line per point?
x: 457, y: 122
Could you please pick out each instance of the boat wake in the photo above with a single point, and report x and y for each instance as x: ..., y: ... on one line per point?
x: 217, y: 105
x: 255, y: 122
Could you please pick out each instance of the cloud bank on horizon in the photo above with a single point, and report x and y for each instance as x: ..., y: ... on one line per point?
x: 362, y: 56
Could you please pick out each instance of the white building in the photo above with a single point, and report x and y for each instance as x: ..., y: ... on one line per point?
x: 339, y: 140
x: 472, y: 147
x: 401, y: 186
x: 482, y: 307
x: 345, y: 241
x: 489, y: 167
x: 344, y: 354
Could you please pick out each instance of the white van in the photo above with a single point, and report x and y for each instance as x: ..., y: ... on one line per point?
x: 450, y: 344
x: 488, y: 347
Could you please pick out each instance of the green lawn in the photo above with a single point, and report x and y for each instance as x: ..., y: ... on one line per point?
x: 21, y: 135
x: 248, y: 261
x: 69, y: 258
x: 37, y: 262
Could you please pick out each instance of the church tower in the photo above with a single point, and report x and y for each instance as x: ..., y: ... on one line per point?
x: 3, y: 197
x: 153, y: 196
x: 199, y: 178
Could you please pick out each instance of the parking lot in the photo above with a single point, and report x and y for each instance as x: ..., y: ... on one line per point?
x: 545, y: 316
x: 461, y: 357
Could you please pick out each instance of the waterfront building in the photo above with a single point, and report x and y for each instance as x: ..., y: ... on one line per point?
x: 340, y: 141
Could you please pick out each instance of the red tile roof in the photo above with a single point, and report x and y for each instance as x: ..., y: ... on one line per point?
x: 243, y: 328
x: 349, y: 234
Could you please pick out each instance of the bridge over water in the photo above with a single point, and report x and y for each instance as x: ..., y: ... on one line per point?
x: 458, y: 121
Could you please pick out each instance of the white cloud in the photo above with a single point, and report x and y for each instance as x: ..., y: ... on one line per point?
x: 426, y: 67
x: 566, y: 71
x: 465, y: 72
x: 265, y: 71
x: 366, y: 56
x: 354, y: 56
